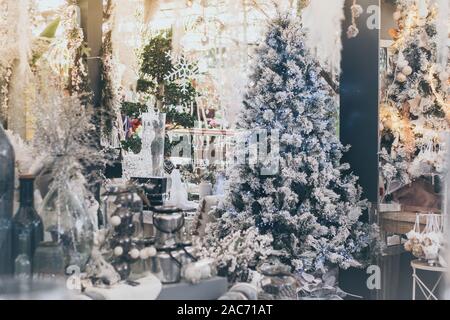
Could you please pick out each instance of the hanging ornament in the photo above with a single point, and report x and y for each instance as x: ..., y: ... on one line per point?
x: 407, y: 70
x: 397, y: 15
x: 118, y: 251
x: 352, y: 31
x: 116, y: 221
x: 205, y: 40
x: 401, y: 77
x: 357, y: 11
x: 183, y: 71
x: 134, y: 253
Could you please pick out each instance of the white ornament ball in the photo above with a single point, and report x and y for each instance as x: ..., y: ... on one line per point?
x: 397, y: 15
x: 118, y: 251
x: 407, y: 70
x: 401, y: 63
x: 116, y: 221
x: 134, y: 253
x: 192, y: 274
x: 143, y: 254
x: 401, y: 77
x: 151, y: 251
x: 443, y: 76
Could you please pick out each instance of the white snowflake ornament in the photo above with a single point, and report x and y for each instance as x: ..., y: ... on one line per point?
x: 183, y: 71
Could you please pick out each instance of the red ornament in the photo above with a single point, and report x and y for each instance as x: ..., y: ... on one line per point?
x: 135, y: 123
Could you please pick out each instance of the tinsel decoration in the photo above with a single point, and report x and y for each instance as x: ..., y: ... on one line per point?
x: 66, y: 137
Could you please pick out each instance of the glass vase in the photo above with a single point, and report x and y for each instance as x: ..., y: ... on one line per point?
x: 67, y: 223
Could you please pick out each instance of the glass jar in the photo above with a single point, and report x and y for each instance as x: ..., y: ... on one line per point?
x: 67, y: 222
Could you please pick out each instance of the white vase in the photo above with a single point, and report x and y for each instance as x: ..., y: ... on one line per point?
x: 204, y: 189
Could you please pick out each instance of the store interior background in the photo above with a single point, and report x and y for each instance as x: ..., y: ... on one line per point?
x: 361, y: 85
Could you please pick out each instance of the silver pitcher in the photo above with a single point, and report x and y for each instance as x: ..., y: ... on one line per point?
x: 167, y: 227
x: 168, y: 266
x: 188, y: 255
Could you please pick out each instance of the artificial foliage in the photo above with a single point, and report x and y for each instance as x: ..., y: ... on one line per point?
x: 132, y: 112
x: 307, y: 213
x: 156, y: 68
x: 65, y: 138
x: 415, y: 111
x: 170, y: 82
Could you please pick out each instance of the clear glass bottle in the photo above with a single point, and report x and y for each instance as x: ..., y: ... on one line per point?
x: 27, y: 222
x: 7, y: 167
x: 68, y: 223
x: 22, y: 263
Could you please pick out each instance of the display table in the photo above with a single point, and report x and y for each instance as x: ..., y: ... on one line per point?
x: 148, y: 289
x: 210, y: 289
x: 424, y: 288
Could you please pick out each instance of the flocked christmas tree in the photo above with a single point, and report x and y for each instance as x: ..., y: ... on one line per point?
x: 308, y: 212
x: 415, y: 112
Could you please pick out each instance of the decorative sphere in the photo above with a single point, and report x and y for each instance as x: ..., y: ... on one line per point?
x: 397, y: 15
x: 134, y: 253
x: 402, y: 63
x: 401, y: 77
x: 116, y: 221
x: 143, y: 254
x: 151, y: 251
x: 118, y: 251
x: 443, y: 76
x: 407, y: 70
x: 205, y: 40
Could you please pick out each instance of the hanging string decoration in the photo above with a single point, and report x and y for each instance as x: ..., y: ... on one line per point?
x: 357, y: 11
